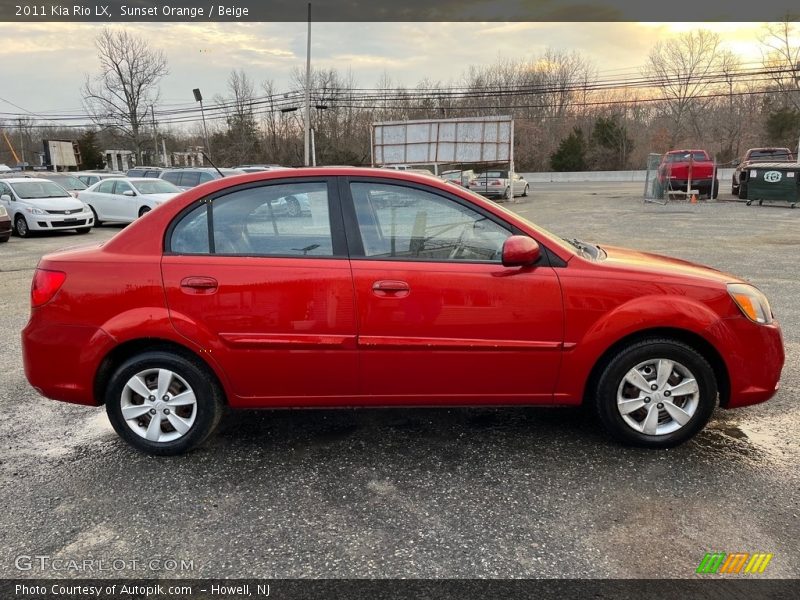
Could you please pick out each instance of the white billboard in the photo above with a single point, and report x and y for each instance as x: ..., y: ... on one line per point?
x: 61, y: 153
x: 443, y: 141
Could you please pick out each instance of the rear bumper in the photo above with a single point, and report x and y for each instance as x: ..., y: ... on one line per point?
x: 754, y: 359
x: 61, y: 360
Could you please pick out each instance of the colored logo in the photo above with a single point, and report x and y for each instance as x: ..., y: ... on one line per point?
x: 734, y: 564
x: 772, y: 176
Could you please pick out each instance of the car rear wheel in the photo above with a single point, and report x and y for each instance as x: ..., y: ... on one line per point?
x: 21, y: 227
x: 656, y: 393
x: 143, y: 211
x: 526, y: 190
x: 163, y: 403
x: 508, y: 195
x: 743, y: 190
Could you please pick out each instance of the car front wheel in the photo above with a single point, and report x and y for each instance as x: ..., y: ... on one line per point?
x: 21, y: 227
x: 656, y: 393
x: 163, y: 403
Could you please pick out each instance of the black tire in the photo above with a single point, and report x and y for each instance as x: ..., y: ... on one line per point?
x: 743, y: 190
x: 614, y: 372
x: 83, y: 230
x: 143, y: 211
x: 714, y: 190
x: 508, y: 194
x: 734, y: 187
x: 526, y: 190
x: 293, y: 207
x: 97, y: 222
x: 209, y: 400
x: 5, y: 238
x: 21, y: 227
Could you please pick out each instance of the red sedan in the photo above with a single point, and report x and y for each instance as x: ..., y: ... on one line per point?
x: 395, y: 290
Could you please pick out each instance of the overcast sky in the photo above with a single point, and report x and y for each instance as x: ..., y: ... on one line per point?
x: 44, y: 64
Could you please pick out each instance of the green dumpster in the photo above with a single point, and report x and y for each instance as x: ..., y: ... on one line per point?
x: 778, y: 181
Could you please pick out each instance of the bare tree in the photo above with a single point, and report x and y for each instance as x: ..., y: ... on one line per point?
x: 781, y: 58
x: 680, y: 70
x: 121, y: 94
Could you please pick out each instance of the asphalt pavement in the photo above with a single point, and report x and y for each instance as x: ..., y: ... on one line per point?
x: 457, y: 493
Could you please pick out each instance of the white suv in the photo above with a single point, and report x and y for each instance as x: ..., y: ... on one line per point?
x: 40, y: 205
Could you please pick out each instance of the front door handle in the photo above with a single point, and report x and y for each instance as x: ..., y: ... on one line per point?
x: 195, y: 285
x: 391, y: 287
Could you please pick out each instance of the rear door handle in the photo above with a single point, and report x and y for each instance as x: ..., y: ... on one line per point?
x: 391, y: 287
x: 199, y: 284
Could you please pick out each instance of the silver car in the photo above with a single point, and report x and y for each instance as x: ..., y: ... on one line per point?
x: 495, y: 184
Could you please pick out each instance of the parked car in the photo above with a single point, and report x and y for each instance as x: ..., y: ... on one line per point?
x: 446, y: 300
x: 495, y: 184
x: 257, y: 168
x: 144, y: 172
x: 186, y: 179
x: 679, y: 168
x: 752, y: 156
x: 90, y: 178
x: 40, y: 205
x: 5, y: 224
x: 68, y: 181
x: 126, y: 199
x: 460, y: 177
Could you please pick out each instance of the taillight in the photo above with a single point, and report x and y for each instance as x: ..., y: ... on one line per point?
x: 45, y: 285
x: 495, y: 182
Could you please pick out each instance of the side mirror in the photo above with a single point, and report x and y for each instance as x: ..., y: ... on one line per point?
x: 520, y: 251
x: 128, y: 193
x: 5, y: 198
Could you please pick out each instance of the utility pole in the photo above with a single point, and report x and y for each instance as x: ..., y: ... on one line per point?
x: 308, y: 93
x: 21, y: 143
x: 155, y: 135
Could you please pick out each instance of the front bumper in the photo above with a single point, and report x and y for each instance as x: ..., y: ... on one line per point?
x: 754, y: 359
x: 48, y: 222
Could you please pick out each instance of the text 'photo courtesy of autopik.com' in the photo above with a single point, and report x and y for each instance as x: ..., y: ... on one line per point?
x: 490, y: 299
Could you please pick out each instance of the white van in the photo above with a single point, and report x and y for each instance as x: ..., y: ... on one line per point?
x: 40, y: 205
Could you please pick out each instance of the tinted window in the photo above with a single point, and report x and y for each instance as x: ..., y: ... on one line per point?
x: 190, y: 178
x: 106, y: 187
x: 152, y: 173
x: 173, y: 177
x: 158, y: 186
x: 408, y: 223
x: 260, y: 221
x: 135, y: 173
x: 206, y: 176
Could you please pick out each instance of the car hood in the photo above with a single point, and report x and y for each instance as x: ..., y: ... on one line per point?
x: 55, y: 203
x: 659, y: 265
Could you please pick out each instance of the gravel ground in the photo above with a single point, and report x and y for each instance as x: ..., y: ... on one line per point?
x: 456, y: 493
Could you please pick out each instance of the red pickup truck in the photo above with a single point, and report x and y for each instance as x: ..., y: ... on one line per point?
x: 687, y: 169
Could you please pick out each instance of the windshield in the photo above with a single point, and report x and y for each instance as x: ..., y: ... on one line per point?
x: 28, y: 190
x: 68, y: 182
x: 156, y: 186
x: 776, y: 155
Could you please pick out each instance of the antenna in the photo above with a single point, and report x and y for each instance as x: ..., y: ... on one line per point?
x: 205, y: 156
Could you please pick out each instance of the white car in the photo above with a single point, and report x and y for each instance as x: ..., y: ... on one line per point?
x: 496, y: 184
x: 125, y: 199
x: 41, y: 205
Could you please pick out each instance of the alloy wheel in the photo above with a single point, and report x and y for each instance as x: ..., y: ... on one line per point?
x: 658, y: 397
x: 158, y: 405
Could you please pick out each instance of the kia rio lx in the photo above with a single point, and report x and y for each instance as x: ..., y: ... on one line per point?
x: 398, y: 290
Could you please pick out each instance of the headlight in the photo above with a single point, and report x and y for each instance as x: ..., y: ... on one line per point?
x: 3, y: 211
x: 36, y: 211
x: 752, y: 302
